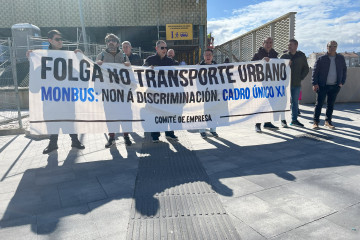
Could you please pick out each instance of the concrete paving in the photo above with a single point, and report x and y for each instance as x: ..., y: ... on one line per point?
x: 294, y: 183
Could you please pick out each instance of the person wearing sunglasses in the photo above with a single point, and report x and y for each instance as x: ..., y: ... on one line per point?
x: 160, y: 59
x: 113, y: 54
x: 56, y: 43
x: 328, y: 76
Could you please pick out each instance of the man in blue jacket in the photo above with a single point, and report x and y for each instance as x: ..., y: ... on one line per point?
x: 328, y: 76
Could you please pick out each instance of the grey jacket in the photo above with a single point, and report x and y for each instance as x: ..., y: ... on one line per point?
x: 105, y: 56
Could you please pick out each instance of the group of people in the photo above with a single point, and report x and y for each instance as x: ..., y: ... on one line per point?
x: 329, y: 75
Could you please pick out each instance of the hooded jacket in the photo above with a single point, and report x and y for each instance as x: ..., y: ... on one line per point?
x: 299, y: 67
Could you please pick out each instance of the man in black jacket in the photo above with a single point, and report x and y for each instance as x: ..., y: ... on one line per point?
x: 299, y: 70
x: 160, y: 59
x: 134, y: 58
x: 265, y: 53
x: 328, y: 76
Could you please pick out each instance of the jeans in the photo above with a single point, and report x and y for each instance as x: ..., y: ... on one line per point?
x: 295, y: 92
x: 331, y: 91
x: 204, y: 130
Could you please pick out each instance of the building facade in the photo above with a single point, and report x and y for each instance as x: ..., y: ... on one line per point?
x: 142, y: 22
x: 351, y: 59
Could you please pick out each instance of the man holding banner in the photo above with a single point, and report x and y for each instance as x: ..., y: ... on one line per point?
x: 265, y: 53
x: 56, y: 43
x: 113, y: 54
x: 208, y: 60
x: 160, y: 59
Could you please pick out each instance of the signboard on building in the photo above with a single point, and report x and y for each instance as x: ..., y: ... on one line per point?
x: 179, y: 31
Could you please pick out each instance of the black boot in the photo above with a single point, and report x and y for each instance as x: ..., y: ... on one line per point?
x: 51, y: 147
x: 127, y: 141
x: 77, y: 144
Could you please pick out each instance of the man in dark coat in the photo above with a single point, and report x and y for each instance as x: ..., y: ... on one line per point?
x: 265, y: 53
x: 329, y: 75
x: 299, y: 70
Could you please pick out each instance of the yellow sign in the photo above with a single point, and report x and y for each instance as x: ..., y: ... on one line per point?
x: 179, y: 31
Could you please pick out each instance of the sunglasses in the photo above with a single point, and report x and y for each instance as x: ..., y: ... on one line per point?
x: 162, y: 48
x: 111, y: 40
x: 58, y: 39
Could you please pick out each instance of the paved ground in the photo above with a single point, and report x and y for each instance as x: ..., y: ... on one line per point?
x: 288, y: 184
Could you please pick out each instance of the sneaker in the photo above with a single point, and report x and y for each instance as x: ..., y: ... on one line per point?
x: 77, y: 144
x: 299, y: 113
x: 316, y: 126
x: 329, y: 125
x: 110, y: 142
x: 155, y: 139
x: 296, y: 123
x: 284, y: 124
x: 127, y: 141
x: 258, y: 128
x: 270, y: 126
x: 214, y: 134
x: 172, y: 137
x: 51, y: 147
x: 203, y: 135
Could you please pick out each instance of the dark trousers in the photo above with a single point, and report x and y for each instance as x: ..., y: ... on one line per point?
x: 112, y: 135
x: 331, y: 91
x: 157, y: 134
x: 54, y: 138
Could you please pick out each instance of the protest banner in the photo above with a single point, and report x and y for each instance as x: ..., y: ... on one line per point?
x: 69, y: 92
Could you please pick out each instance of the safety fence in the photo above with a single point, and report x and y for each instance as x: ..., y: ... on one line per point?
x: 242, y: 48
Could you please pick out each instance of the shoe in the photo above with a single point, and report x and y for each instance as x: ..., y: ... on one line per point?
x: 127, y: 141
x: 299, y: 113
x: 155, y: 139
x: 316, y: 126
x: 51, y: 147
x: 258, y: 128
x: 284, y: 124
x: 214, y: 134
x: 203, y: 135
x: 296, y: 123
x: 270, y: 126
x: 329, y: 125
x: 172, y: 137
x: 110, y: 142
x: 77, y: 144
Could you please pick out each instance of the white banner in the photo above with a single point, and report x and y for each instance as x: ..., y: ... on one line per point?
x: 70, y: 92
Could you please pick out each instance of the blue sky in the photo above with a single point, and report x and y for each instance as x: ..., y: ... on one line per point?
x: 317, y: 21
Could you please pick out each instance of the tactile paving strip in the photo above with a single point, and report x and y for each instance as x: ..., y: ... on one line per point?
x: 173, y: 198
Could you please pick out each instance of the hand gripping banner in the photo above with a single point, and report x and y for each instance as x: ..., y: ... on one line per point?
x: 72, y: 94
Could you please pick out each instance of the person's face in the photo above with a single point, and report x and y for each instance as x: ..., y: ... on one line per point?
x: 126, y: 48
x: 331, y: 48
x: 112, y: 44
x: 161, y: 49
x: 56, y: 42
x: 171, y: 54
x: 292, y: 47
x: 268, y: 44
x: 208, y: 57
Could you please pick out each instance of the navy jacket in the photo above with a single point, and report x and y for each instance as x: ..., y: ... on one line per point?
x: 321, y: 70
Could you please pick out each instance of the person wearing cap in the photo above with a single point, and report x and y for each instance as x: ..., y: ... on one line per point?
x: 112, y: 54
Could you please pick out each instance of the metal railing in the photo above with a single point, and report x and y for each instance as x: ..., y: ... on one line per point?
x: 242, y: 48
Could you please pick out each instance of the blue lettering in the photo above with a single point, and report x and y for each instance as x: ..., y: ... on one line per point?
x: 57, y: 94
x: 224, y: 95
x: 46, y: 96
